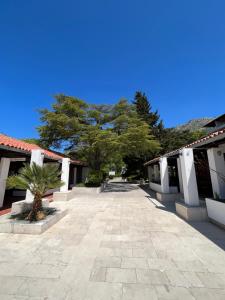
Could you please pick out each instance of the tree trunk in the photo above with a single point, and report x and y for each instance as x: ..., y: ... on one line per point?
x: 36, y: 208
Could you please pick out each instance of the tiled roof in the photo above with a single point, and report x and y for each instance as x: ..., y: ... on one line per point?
x: 204, y: 140
x: 21, y: 145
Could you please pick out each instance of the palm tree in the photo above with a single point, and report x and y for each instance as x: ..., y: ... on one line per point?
x: 38, y: 180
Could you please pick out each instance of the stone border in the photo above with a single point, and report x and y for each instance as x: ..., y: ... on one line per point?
x: 165, y: 197
x: 8, y: 225
x: 23, y: 205
x: 191, y: 213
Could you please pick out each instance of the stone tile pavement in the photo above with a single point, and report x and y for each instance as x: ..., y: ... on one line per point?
x: 115, y: 246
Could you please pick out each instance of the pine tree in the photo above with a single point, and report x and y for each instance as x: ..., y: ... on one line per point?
x: 144, y: 109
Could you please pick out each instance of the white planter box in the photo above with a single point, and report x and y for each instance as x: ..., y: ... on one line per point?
x: 216, y: 211
x: 8, y: 225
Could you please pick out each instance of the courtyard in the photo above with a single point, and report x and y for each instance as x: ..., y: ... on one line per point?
x: 119, y: 244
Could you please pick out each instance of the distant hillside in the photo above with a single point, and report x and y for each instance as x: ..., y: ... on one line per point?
x: 194, y: 124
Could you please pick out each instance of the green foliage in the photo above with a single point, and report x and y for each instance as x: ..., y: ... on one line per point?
x: 95, y: 179
x: 102, y: 135
x: 110, y: 135
x: 171, y: 139
x: 63, y: 124
x: 36, y: 179
x: 144, y: 109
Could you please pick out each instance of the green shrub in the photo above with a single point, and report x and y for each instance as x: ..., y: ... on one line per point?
x: 94, y: 179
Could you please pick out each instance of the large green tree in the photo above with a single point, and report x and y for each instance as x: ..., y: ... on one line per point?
x: 102, y: 135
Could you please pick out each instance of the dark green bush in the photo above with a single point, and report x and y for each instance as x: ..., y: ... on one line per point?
x: 94, y: 179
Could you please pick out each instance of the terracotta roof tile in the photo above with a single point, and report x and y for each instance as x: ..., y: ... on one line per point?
x: 21, y: 145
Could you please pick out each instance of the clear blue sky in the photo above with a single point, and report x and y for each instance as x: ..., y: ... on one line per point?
x: 100, y: 50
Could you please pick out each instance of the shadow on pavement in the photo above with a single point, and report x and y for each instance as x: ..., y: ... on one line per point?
x: 207, y: 229
x: 119, y: 187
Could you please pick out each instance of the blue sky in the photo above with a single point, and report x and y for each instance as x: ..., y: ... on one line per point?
x: 103, y: 50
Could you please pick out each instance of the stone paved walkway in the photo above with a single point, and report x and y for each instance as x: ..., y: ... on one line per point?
x: 111, y: 246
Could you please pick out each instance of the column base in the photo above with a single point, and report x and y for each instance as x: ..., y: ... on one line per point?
x: 165, y: 197
x: 191, y: 213
x: 63, y: 196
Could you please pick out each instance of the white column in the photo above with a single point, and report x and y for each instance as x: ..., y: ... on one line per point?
x: 65, y: 174
x: 180, y: 176
x: 37, y: 156
x: 217, y: 169
x: 164, y: 175
x: 190, y: 187
x: 4, y: 171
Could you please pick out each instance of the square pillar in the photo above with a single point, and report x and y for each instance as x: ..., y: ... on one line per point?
x: 180, y: 175
x: 4, y: 171
x: 191, y: 197
x: 65, y: 174
x: 164, y: 175
x: 37, y: 156
x: 217, y: 171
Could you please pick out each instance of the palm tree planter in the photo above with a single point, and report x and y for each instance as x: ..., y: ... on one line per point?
x: 38, y: 180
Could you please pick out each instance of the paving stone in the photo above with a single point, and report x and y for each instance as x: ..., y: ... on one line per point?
x: 41, y: 271
x: 32, y: 287
x: 121, y: 275
x: 176, y: 278
x: 10, y: 285
x: 103, y: 291
x: 166, y: 292
x: 161, y: 264
x: 100, y: 250
x: 98, y: 274
x: 109, y: 262
x: 149, y: 252
x: 212, y: 280
x: 131, y: 262
x: 151, y: 277
x: 139, y: 292
x: 191, y: 265
x: 208, y: 294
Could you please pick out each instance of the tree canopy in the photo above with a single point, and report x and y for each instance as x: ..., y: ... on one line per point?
x: 100, y: 134
x: 109, y: 135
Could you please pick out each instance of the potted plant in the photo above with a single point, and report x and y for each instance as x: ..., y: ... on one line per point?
x: 38, y: 180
